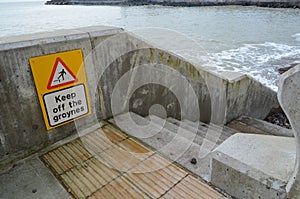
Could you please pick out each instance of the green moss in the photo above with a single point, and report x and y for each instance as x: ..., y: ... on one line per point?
x: 170, y: 61
x: 151, y: 55
x: 237, y: 85
x: 161, y: 55
x: 192, y: 71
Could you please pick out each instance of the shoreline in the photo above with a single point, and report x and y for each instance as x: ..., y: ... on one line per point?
x: 183, y: 3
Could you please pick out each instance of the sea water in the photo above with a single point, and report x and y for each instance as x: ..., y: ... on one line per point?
x: 251, y: 40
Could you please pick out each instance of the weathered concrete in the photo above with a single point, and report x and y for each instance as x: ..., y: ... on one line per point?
x: 178, y: 143
x: 221, y: 97
x: 22, y: 130
x: 124, y: 73
x: 256, y: 126
x: 253, y: 166
x: 262, y: 3
x: 289, y: 98
x: 260, y: 166
x: 31, y: 179
x: 247, y: 97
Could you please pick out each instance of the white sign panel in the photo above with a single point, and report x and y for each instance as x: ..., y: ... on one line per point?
x: 66, y: 104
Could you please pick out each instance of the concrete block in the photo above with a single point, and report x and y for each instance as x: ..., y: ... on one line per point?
x: 289, y: 98
x: 253, y: 166
x: 248, y: 97
x: 245, y: 124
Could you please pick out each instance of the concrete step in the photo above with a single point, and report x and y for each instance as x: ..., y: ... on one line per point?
x: 254, y: 166
x: 210, y: 131
x: 189, y: 133
x: 246, y: 124
x: 178, y: 144
x: 163, y: 140
x: 202, y: 131
x: 225, y: 132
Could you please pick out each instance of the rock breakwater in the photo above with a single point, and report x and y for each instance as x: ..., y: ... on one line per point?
x: 187, y: 3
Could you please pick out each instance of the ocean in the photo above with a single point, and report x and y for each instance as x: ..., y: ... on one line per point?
x: 251, y: 40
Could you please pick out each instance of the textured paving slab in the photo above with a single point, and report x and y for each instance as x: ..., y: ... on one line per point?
x: 108, y: 164
x: 190, y: 187
x: 119, y: 188
x: 155, y: 176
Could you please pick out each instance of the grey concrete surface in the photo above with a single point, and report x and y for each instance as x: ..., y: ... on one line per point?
x: 220, y: 98
x: 289, y: 98
x: 248, y: 124
x: 245, y: 96
x: 223, y: 131
x: 31, y: 179
x: 176, y: 143
x: 254, y: 166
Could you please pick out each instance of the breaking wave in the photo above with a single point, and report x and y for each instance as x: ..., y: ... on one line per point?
x: 260, y: 61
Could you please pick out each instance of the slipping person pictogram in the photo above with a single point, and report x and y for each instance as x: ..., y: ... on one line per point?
x: 62, y: 74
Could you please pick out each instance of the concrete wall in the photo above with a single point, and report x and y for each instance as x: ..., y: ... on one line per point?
x: 110, y: 54
x: 22, y: 129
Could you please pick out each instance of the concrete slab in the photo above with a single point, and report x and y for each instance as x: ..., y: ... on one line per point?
x: 8, y: 43
x: 212, y: 130
x: 177, y: 129
x: 171, y: 144
x: 202, y: 166
x: 31, y: 179
x: 246, y: 124
x: 178, y: 145
x: 254, y: 166
x: 288, y: 96
x: 201, y: 130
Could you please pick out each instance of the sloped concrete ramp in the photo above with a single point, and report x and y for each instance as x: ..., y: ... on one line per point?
x: 107, y: 163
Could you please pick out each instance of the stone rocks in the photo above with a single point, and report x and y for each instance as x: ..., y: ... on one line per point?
x: 186, y: 3
x: 279, y: 119
x: 284, y: 69
x: 193, y: 161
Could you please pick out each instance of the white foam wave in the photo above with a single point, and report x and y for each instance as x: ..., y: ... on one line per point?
x: 261, y: 61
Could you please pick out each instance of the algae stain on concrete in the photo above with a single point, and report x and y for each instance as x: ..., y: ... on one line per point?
x: 161, y: 55
x: 192, y: 71
x: 151, y: 58
x: 236, y: 86
x: 102, y: 104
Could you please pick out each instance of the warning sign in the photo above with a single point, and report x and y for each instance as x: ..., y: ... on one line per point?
x: 66, y: 104
x: 61, y: 85
x: 61, y: 75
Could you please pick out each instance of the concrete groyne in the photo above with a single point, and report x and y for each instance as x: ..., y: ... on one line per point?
x: 187, y: 3
x: 109, y: 54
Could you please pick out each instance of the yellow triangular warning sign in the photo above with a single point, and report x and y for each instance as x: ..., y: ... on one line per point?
x: 61, y: 75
